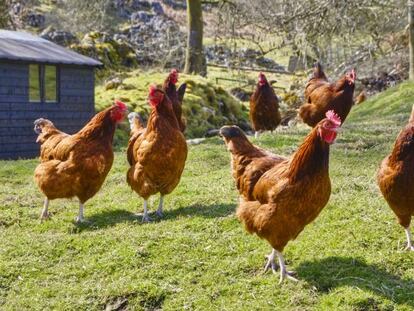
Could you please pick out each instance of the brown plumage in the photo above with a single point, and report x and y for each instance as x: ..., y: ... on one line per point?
x: 321, y: 96
x: 264, y: 107
x: 395, y: 178
x: 360, y: 98
x: 248, y: 161
x: 289, y: 193
x: 157, y: 153
x: 176, y: 96
x: 76, y: 165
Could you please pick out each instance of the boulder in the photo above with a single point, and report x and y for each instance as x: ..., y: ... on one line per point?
x: 157, y: 8
x: 64, y: 38
x: 141, y: 17
x: 113, y: 84
x: 34, y: 19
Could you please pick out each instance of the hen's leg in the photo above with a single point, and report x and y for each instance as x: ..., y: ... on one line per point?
x: 410, y: 246
x: 80, y: 217
x: 45, y: 214
x: 160, y: 206
x: 271, y: 262
x: 256, y: 134
x: 283, y: 271
x: 145, y: 217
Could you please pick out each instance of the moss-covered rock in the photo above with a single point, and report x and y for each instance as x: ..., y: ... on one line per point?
x: 114, y: 54
x: 206, y: 106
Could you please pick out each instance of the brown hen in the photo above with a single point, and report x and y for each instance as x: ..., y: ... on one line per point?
x: 290, y: 193
x: 264, y: 107
x: 321, y: 96
x: 157, y: 153
x: 176, y: 96
x: 395, y: 178
x: 76, y: 165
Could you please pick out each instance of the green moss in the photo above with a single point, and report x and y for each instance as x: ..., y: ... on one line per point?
x: 206, y: 106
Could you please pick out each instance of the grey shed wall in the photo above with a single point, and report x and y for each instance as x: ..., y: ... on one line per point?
x: 71, y: 113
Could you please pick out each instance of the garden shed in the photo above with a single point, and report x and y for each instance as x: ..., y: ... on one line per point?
x: 40, y: 79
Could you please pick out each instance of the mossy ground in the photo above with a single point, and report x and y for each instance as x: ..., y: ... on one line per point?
x: 206, y: 105
x: 199, y: 257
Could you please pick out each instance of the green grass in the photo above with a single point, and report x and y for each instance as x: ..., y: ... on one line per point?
x: 199, y: 257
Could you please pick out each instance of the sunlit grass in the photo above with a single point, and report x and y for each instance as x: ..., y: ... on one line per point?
x: 199, y: 257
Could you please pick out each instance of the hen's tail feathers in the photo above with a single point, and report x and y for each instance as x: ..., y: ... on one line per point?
x: 181, y: 92
x: 135, y: 121
x: 318, y: 72
x: 250, y: 213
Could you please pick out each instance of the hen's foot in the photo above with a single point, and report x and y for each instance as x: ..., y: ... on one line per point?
x: 270, y: 264
x: 79, y: 220
x: 44, y: 216
x: 409, y: 248
x: 159, y: 213
x: 146, y: 219
x: 284, y: 274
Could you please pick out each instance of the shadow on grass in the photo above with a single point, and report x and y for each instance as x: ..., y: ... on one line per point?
x: 110, y: 218
x: 206, y: 211
x: 333, y: 272
x: 106, y: 219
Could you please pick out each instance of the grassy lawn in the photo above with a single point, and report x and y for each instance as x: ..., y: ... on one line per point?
x: 199, y: 257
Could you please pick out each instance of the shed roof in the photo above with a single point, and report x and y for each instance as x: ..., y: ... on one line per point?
x: 15, y: 45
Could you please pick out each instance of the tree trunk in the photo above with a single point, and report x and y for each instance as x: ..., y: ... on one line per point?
x: 411, y: 36
x: 194, y: 58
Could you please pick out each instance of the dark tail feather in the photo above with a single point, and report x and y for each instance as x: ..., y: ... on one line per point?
x: 318, y: 72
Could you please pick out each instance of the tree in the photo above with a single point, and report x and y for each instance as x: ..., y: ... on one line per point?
x: 411, y: 37
x: 339, y: 33
x: 194, y: 58
x: 84, y: 16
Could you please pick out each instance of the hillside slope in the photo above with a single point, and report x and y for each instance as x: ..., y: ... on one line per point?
x: 199, y: 257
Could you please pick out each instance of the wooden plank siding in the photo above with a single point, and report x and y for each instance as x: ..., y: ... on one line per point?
x: 74, y: 109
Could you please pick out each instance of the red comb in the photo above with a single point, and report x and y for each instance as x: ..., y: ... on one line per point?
x: 332, y: 116
x: 155, y: 96
x: 173, y: 77
x: 152, y: 89
x: 120, y: 104
x: 353, y: 73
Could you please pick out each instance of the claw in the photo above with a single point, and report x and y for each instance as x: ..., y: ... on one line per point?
x: 146, y: 218
x: 409, y: 248
x: 270, y: 264
x: 44, y: 216
x: 287, y: 274
x: 159, y: 214
x: 79, y: 220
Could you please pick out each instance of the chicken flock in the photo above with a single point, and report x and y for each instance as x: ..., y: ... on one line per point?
x: 279, y: 195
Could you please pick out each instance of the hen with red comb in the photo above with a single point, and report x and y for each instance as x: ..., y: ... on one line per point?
x: 176, y: 96
x: 321, y: 96
x: 264, y: 107
x: 280, y: 196
x: 76, y: 165
x: 157, y: 153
